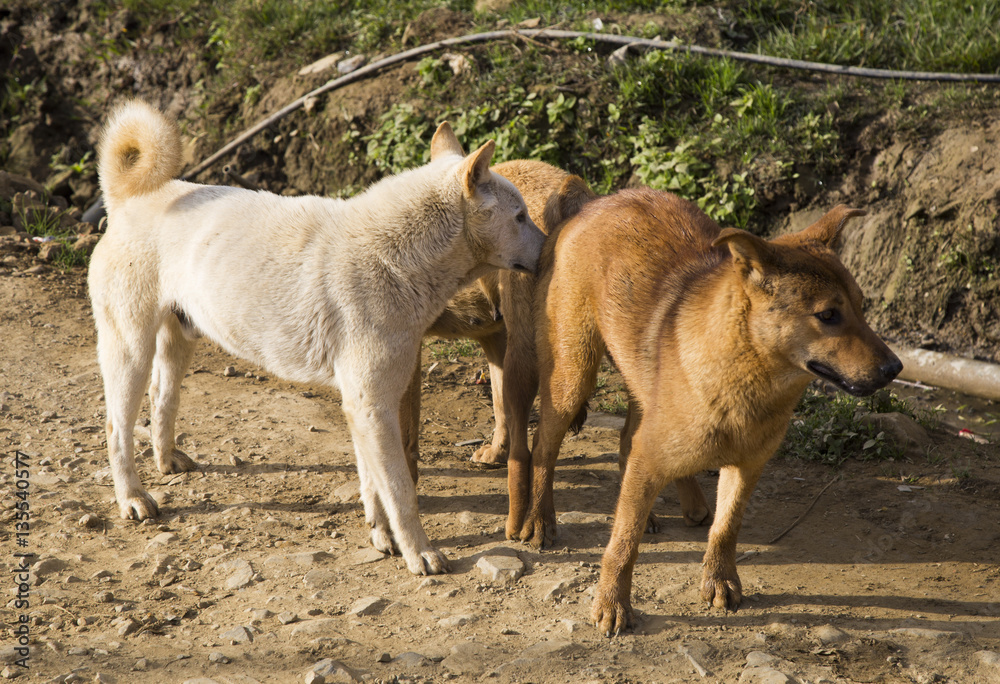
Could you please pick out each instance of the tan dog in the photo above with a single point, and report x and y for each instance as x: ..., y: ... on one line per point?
x: 716, y: 333
x: 497, y: 311
x: 315, y: 290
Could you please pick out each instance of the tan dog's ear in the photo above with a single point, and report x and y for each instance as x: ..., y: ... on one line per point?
x: 750, y: 253
x: 566, y: 202
x: 444, y: 142
x: 827, y: 229
x: 475, y: 169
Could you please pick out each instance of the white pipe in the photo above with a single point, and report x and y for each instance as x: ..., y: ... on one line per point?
x: 978, y: 378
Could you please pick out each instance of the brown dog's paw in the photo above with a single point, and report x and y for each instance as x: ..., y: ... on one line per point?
x: 138, y: 507
x: 697, y: 516
x: 382, y: 540
x: 487, y: 455
x: 176, y: 462
x: 537, y: 533
x: 652, y: 524
x: 611, y: 615
x: 722, y: 592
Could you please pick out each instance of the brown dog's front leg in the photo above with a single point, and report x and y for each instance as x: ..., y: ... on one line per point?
x: 720, y: 585
x: 612, y: 607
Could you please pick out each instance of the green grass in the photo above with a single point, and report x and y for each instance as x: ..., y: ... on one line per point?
x: 47, y: 224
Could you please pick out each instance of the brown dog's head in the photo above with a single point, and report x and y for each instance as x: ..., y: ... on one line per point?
x: 805, y: 307
x: 498, y: 228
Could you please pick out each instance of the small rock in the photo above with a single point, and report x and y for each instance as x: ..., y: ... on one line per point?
x: 369, y: 555
x: 619, y: 57
x: 162, y: 539
x: 128, y: 626
x: 411, y: 659
x: 351, y: 64
x: 559, y: 589
x: 260, y: 614
x: 457, y: 621
x: 90, y: 521
x: 242, y: 576
x: 104, y: 597
x: 287, y: 617
x: 927, y: 633
x: 235, y: 460
x: 348, y: 492
x: 320, y: 578
x: 237, y: 635
x: 557, y: 648
x: 50, y: 251
x: 501, y: 565
x: 384, y: 658
x: 229, y: 372
x: 828, y: 635
x: 314, y: 678
x: 216, y: 657
x: 333, y: 671
x: 104, y: 678
x: 571, y: 626
x: 141, y: 664
x: 309, y: 557
x: 321, y: 65
x: 78, y: 651
x: 369, y: 605
x: 48, y: 566
x: 86, y: 243
x: 466, y: 658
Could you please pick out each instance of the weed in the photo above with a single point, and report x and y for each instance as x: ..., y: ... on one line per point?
x: 45, y: 223
x: 453, y: 349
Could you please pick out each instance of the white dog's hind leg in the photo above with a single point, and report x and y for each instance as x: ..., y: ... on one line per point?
x: 374, y: 421
x: 173, y: 355
x: 125, y: 366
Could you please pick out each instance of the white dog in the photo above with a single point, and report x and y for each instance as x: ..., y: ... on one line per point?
x: 315, y: 290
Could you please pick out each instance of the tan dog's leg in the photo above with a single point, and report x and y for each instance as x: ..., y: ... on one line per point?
x: 173, y: 355
x: 694, y: 507
x: 720, y: 584
x: 566, y: 380
x: 409, y: 422
x: 495, y: 346
x: 125, y: 354
x: 611, y: 610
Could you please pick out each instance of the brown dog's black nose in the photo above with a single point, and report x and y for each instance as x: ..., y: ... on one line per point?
x: 891, y: 369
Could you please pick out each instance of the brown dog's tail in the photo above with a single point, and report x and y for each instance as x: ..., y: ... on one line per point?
x: 139, y: 151
x: 567, y: 201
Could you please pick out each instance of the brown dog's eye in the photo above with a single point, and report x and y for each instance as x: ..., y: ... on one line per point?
x: 521, y: 217
x: 829, y: 316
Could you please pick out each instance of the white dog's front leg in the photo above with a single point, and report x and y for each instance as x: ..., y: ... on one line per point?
x: 386, y: 486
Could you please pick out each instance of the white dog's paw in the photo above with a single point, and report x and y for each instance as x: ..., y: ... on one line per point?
x: 175, y: 462
x: 429, y: 562
x: 138, y: 507
x: 382, y: 540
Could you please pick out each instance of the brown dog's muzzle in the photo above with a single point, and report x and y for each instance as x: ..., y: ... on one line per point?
x: 864, y: 384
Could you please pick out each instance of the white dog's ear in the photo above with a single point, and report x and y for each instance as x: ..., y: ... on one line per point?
x: 444, y: 142
x: 475, y: 170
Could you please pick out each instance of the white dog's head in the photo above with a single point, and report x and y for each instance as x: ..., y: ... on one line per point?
x: 497, y: 225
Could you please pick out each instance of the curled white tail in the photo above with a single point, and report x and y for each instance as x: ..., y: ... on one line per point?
x: 139, y: 150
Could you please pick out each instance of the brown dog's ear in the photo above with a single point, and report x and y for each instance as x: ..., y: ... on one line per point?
x: 475, y: 169
x: 566, y: 202
x: 827, y: 229
x: 444, y: 142
x: 750, y: 253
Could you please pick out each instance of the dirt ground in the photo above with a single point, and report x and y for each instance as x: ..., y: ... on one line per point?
x: 260, y: 569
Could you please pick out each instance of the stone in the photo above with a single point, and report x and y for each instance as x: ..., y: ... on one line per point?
x: 86, y: 243
x: 558, y: 589
x: 50, y: 251
x: 128, y: 626
x: 457, y: 620
x: 47, y: 566
x: 242, y: 576
x: 411, y: 660
x: 90, y: 522
x: 501, y: 565
x: 350, y: 64
x: 217, y: 657
x: 323, y: 627
x: 369, y: 605
x: 237, y: 635
x: 322, y: 64
x: 828, y: 635
x: 556, y: 648
x: 309, y: 557
x: 104, y: 597
x: 320, y: 578
x: 162, y: 539
x: 366, y: 556
x: 465, y: 658
x: 229, y: 372
x: 348, y: 492
x: 103, y: 678
x: 333, y: 671
x: 901, y: 430
x: 935, y: 634
x: 287, y: 617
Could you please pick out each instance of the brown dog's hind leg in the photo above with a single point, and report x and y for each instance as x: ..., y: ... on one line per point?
x: 409, y: 421
x: 720, y: 585
x: 495, y: 347
x: 611, y: 610
x: 694, y: 506
x: 173, y: 356
x: 632, y: 419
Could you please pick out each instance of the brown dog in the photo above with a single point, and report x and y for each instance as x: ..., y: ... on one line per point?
x: 717, y: 334
x: 497, y: 312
